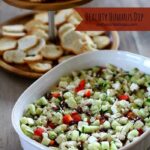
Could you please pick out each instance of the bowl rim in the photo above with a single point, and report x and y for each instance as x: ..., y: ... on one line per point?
x: 42, y: 147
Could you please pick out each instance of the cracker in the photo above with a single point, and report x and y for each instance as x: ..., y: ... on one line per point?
x: 62, y: 16
x: 75, y: 19
x: 64, y: 28
x: 14, y: 56
x: 29, y: 26
x: 13, y: 34
x: 101, y: 41
x: 36, y: 50
x: 52, y: 52
x: 27, y: 42
x: 7, y: 44
x: 13, y: 28
x: 73, y: 41
x: 40, y: 66
x: 40, y: 33
x: 35, y: 58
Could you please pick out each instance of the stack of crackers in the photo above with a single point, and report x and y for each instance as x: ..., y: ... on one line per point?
x: 28, y: 44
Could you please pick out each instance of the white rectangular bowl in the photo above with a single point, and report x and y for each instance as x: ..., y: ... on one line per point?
x: 125, y: 60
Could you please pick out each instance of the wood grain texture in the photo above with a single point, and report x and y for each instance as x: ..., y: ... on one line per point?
x: 11, y: 86
x: 55, y: 5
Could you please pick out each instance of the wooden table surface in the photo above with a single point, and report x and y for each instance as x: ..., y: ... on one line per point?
x: 11, y: 86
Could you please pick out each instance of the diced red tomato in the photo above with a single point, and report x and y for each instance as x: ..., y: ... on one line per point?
x: 76, y: 117
x: 140, y: 131
x: 51, y: 125
x: 74, y: 113
x: 123, y: 97
x: 131, y: 115
x: 81, y: 86
x: 38, y: 131
x: 67, y: 119
x: 52, y: 142
x: 87, y: 93
x: 56, y: 95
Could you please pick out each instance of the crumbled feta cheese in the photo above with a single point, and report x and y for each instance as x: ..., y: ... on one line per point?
x: 148, y: 89
x: 116, y: 86
x: 103, y: 136
x: 123, y: 120
x: 116, y: 115
x: 30, y: 121
x: 81, y: 124
x: 114, y: 108
x: 45, y: 135
x: 68, y: 144
x: 88, y: 85
x: 92, y: 119
x: 85, y: 119
x: 81, y: 93
x: 72, y: 128
x: 63, y: 84
x: 139, y: 102
x: 61, y: 138
x: 97, y: 135
x: 85, y: 108
x: 70, y: 87
x: 134, y: 87
x: 111, y: 92
x: 110, y: 131
x: 124, y: 104
x: 92, y: 139
x: 120, y: 136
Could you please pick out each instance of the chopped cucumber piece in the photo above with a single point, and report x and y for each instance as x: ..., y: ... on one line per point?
x: 90, y: 129
x: 27, y: 130
x: 46, y: 141
x: 42, y: 101
x: 52, y: 135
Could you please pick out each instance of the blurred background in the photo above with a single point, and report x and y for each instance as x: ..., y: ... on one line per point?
x: 11, y: 86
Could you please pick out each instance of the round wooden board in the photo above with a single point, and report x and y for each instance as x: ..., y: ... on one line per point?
x: 23, y: 70
x: 49, y: 6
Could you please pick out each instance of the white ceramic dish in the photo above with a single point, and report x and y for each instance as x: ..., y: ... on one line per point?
x: 121, y: 59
